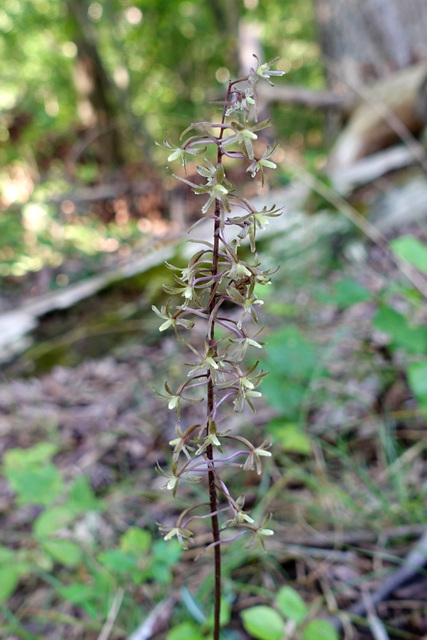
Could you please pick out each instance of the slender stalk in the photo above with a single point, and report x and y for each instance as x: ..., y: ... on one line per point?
x: 209, y: 451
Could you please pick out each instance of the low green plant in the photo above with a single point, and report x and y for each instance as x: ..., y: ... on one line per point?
x: 50, y: 550
x: 409, y: 338
x: 289, y: 615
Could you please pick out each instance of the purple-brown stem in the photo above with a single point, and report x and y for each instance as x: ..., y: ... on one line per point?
x: 213, y: 498
x: 211, y: 401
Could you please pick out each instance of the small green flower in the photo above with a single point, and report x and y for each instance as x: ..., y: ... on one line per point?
x: 180, y: 153
x: 240, y: 517
x: 170, y: 320
x: 174, y: 399
x: 181, y: 442
x: 175, y: 477
x: 263, y: 71
x: 244, y: 343
x: 247, y: 387
x: 216, y: 192
x: 241, y: 102
x: 209, y: 362
x: 187, y: 290
x: 246, y: 301
x: 180, y: 533
x: 258, y: 164
x: 253, y: 461
x: 210, y: 439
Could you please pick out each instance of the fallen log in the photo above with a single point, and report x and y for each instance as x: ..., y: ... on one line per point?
x: 294, y: 94
x: 105, y: 192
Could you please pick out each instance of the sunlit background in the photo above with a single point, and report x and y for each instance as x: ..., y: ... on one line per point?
x: 87, y: 88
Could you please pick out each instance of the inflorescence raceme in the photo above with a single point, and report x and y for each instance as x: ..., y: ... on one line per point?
x: 216, y: 275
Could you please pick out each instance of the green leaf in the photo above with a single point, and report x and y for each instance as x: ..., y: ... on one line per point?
x: 185, y: 631
x: 167, y: 553
x: 348, y: 292
x: 413, y: 339
x: 117, y: 561
x: 9, y: 578
x: 77, y: 593
x: 320, y: 630
x: 33, y: 457
x: 283, y: 394
x: 411, y: 249
x: 161, y: 573
x: 290, y: 436
x: 291, y: 605
x: 81, y: 497
x: 35, y: 485
x: 417, y: 377
x: 65, y: 552
x: 6, y: 555
x: 135, y: 540
x: 82, y: 595
x: 263, y: 623
x: 289, y: 354
x: 51, y: 520
x: 225, y: 615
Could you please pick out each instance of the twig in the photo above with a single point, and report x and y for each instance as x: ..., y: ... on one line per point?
x: 112, y: 615
x: 149, y: 627
x: 411, y: 566
x: 375, y: 624
x: 416, y: 279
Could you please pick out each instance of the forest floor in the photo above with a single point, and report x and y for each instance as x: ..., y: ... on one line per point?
x: 347, y: 507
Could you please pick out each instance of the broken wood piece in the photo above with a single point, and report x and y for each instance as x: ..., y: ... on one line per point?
x: 345, y: 179
x: 17, y: 323
x: 389, y: 110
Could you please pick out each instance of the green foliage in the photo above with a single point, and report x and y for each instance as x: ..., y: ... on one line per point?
x: 225, y: 615
x: 52, y: 550
x: 289, y: 436
x: 297, y: 365
x: 160, y: 69
x: 291, y: 605
x: 33, y: 478
x: 185, y: 631
x: 265, y: 623
x: 348, y: 292
x: 412, y: 339
x: 411, y: 249
x: 319, y: 630
x: 291, y: 360
x: 10, y: 573
x: 417, y: 375
x: 65, y: 552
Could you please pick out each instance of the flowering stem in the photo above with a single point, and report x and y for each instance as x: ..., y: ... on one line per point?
x: 212, y: 344
x: 210, y: 410
x: 216, y: 275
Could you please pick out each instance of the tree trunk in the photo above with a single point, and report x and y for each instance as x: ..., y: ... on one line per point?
x: 98, y: 100
x: 365, y: 40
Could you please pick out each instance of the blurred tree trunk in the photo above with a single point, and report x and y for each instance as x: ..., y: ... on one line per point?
x: 365, y: 40
x: 98, y: 104
x: 226, y: 14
